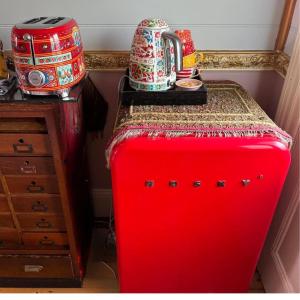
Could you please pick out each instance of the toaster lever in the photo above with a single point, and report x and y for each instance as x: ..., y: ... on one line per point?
x: 28, y: 37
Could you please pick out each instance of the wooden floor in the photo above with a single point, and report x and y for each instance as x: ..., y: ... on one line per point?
x: 101, y: 273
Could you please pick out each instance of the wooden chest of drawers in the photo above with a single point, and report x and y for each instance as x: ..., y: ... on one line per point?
x: 44, y: 207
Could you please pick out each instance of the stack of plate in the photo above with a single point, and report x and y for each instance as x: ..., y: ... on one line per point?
x: 186, y: 73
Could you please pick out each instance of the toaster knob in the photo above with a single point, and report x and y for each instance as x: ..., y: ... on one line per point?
x: 36, y: 78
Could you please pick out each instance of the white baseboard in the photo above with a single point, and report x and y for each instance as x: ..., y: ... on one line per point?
x: 102, y: 199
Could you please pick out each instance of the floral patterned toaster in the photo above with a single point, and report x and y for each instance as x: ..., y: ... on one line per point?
x: 48, y: 55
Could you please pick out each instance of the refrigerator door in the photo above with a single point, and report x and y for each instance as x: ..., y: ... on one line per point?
x: 192, y: 214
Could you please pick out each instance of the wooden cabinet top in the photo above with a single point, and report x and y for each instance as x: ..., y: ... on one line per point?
x: 16, y: 97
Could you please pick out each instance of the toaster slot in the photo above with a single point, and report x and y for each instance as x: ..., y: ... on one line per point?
x: 54, y: 20
x: 35, y: 20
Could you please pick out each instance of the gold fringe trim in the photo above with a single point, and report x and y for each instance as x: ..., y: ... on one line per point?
x: 153, y: 133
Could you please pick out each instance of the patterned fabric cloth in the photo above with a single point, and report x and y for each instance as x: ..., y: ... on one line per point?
x: 230, y: 112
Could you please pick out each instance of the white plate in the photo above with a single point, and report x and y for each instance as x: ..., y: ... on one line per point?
x: 189, y: 84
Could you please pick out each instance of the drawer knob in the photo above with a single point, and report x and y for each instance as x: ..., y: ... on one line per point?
x: 38, y: 206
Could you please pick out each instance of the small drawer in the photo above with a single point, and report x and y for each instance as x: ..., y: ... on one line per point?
x: 9, y: 239
x: 27, y: 124
x: 41, y: 222
x: 32, y: 184
x: 47, y: 240
x: 6, y: 220
x: 26, y: 165
x: 37, y: 203
x: 3, y: 204
x: 22, y: 144
x: 26, y: 266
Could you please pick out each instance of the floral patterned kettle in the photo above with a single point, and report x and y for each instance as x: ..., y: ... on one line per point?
x: 155, y: 56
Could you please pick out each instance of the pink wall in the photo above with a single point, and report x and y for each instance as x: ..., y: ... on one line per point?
x: 264, y: 86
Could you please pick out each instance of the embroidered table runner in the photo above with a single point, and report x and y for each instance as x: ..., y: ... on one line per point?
x: 230, y: 112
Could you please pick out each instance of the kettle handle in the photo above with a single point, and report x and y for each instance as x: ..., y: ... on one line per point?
x: 166, y: 35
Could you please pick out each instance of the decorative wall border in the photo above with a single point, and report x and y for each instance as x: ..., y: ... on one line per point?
x: 282, y: 63
x: 207, y: 60
x: 236, y: 60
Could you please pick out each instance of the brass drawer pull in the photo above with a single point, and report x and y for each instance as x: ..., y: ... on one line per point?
x: 33, y: 268
x: 23, y: 148
x: 47, y: 242
x: 33, y: 188
x: 43, y: 224
x: 28, y: 170
x: 39, y: 207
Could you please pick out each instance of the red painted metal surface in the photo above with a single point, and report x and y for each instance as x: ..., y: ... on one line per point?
x: 55, y: 52
x: 194, y: 239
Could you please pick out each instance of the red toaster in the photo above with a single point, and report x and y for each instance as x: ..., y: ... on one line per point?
x: 48, y: 55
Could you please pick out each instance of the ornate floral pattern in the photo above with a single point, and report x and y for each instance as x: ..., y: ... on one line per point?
x: 58, y: 70
x: 23, y: 60
x: 53, y: 59
x: 65, y: 74
x: 147, y: 69
x: 157, y: 23
x: 230, y: 112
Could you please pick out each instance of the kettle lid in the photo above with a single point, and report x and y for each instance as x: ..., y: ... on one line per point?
x: 153, y: 23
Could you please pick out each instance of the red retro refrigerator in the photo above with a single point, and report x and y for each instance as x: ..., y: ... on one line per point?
x: 192, y: 213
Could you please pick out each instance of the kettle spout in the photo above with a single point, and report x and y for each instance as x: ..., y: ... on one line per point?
x: 177, y: 48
